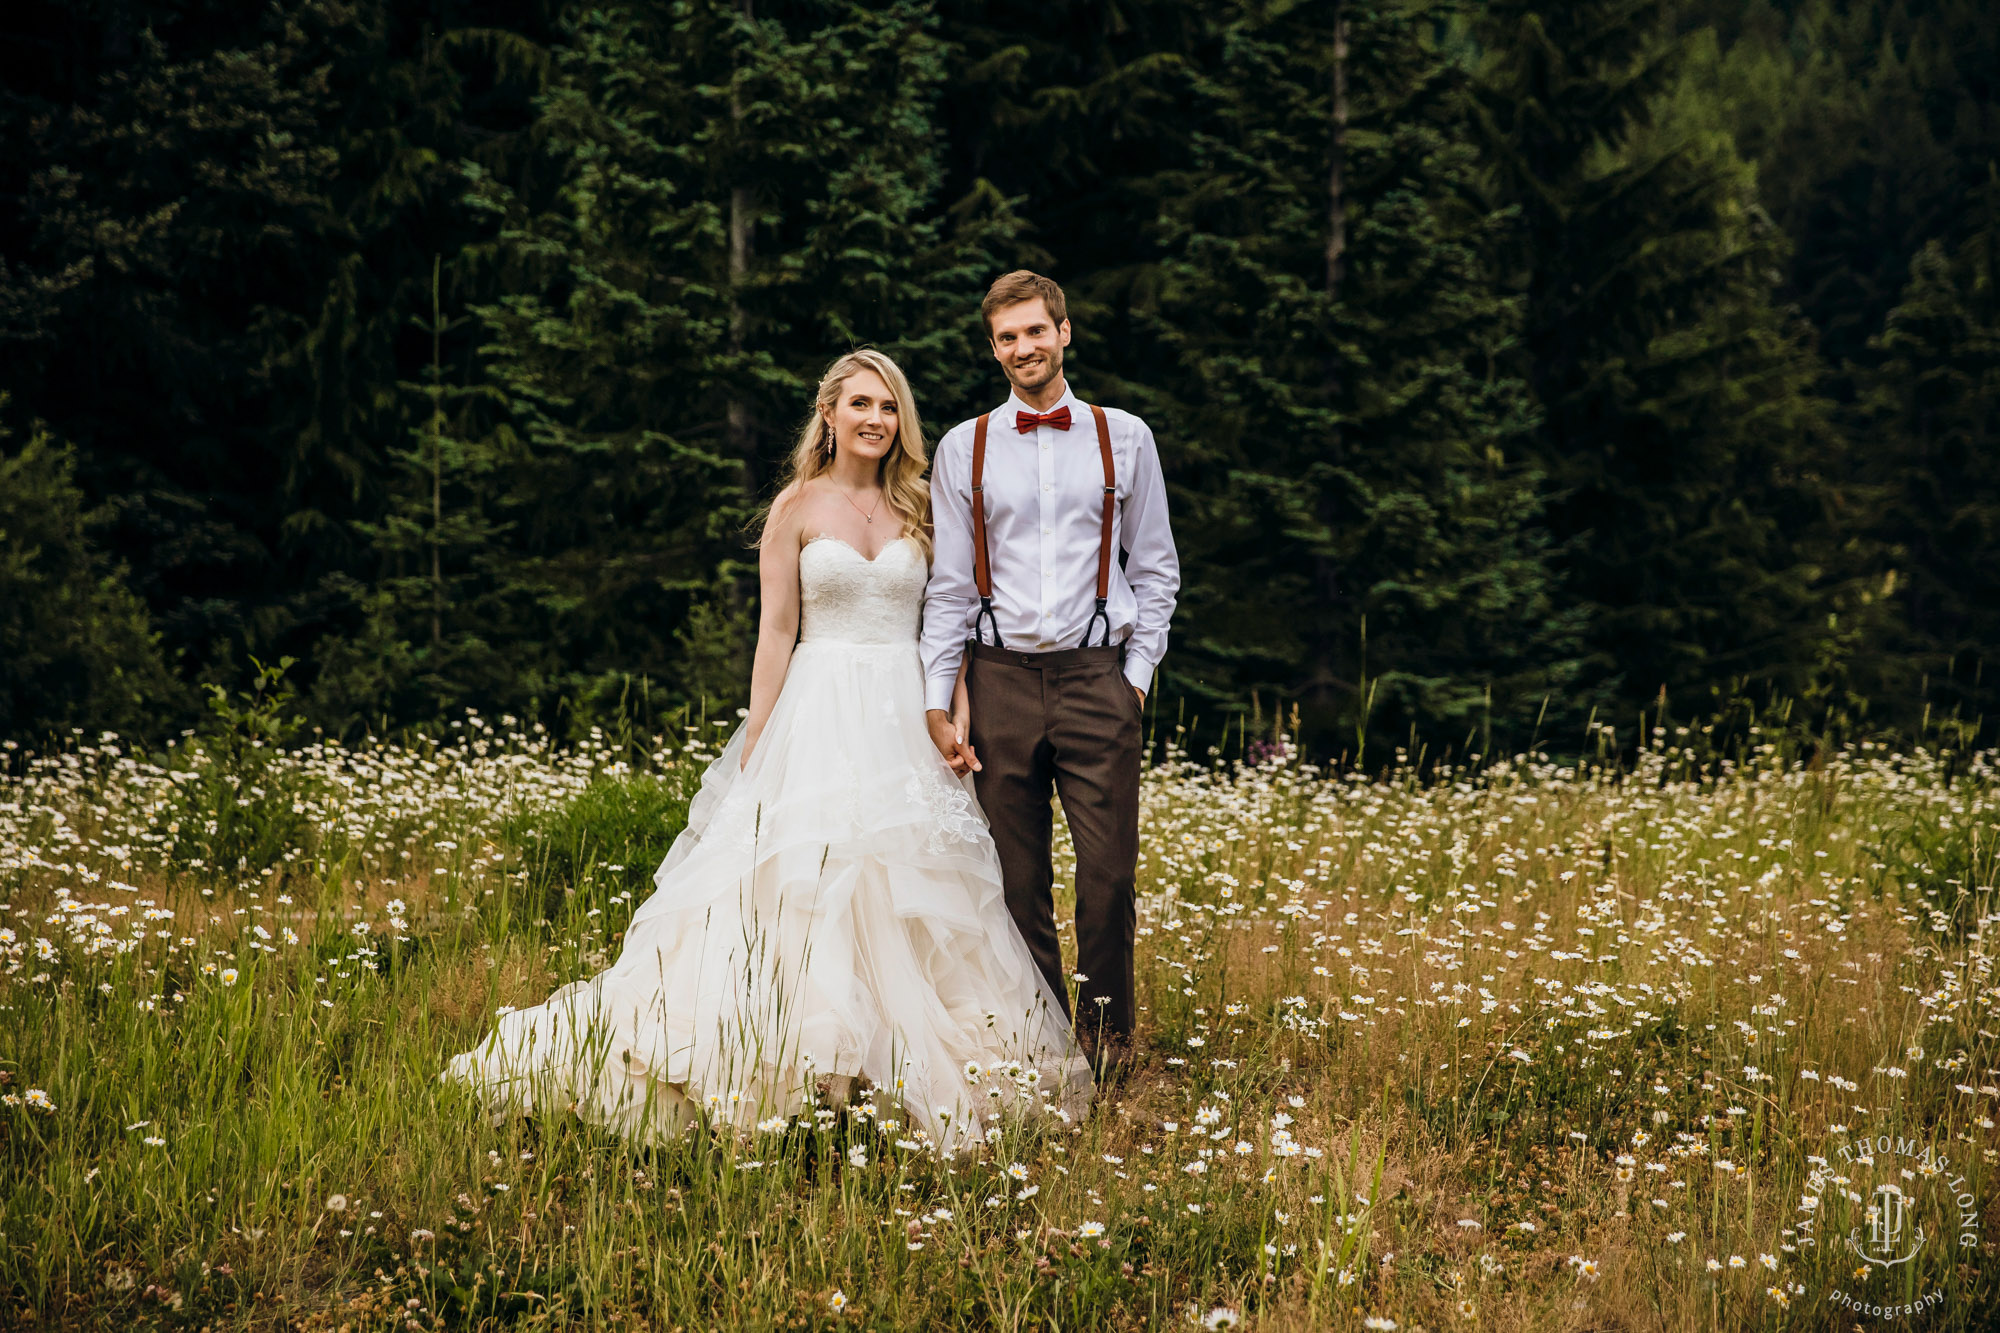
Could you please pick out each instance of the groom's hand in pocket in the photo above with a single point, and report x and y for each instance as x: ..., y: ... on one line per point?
x: 948, y: 734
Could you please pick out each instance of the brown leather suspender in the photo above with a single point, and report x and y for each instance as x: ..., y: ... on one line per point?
x: 1104, y: 533
x: 982, y: 568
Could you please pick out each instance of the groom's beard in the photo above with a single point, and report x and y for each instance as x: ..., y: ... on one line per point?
x: 1038, y: 375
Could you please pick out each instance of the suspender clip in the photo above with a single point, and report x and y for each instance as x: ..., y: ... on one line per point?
x: 1099, y: 614
x: 985, y: 613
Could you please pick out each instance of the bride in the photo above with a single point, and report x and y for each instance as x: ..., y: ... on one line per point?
x: 833, y: 910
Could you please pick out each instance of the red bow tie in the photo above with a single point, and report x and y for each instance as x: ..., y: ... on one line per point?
x: 1027, y: 421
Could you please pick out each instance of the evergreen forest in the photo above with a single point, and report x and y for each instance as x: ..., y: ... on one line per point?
x: 1517, y: 366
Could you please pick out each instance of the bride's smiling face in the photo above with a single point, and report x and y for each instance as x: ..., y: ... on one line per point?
x: 864, y: 417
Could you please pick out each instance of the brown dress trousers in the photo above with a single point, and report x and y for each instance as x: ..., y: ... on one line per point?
x: 1066, y: 719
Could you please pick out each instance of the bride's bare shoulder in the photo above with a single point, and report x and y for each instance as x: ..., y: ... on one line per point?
x: 790, y: 503
x: 785, y: 519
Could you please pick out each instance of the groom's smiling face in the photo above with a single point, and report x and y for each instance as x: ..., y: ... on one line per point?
x: 1028, y: 344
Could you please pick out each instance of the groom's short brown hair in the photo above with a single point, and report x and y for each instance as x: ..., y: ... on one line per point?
x: 1018, y: 286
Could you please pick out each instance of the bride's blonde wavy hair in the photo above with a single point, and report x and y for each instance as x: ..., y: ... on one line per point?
x: 904, y: 490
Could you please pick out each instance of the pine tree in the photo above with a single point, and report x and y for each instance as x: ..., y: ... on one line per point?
x: 172, y: 232
x: 1686, y: 449
x: 722, y: 201
x: 216, y: 232
x: 452, y: 348
x: 1934, y: 408
x: 1350, y: 459
x: 1871, y: 123
x: 76, y: 647
x: 1076, y: 116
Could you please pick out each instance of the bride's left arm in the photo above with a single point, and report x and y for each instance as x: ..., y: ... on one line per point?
x: 778, y: 621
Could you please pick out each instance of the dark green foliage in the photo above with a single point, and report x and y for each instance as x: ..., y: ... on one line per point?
x: 578, y: 511
x: 1876, y: 130
x: 238, y: 799
x: 452, y: 350
x: 172, y: 230
x: 1872, y: 122
x: 1687, y: 453
x: 214, y: 235
x: 1080, y: 110
x: 76, y: 647
x: 1934, y: 408
x: 1357, y: 504
x: 616, y: 831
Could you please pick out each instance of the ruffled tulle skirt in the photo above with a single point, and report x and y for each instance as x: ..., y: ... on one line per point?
x: 833, y: 908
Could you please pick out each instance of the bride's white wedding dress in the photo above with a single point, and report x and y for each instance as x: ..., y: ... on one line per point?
x: 833, y: 908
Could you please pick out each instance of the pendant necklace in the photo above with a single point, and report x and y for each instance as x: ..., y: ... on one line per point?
x: 867, y: 514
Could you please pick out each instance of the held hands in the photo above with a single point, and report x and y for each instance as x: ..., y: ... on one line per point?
x: 948, y: 732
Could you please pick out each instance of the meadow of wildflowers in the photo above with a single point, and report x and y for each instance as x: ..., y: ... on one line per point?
x: 1526, y: 1045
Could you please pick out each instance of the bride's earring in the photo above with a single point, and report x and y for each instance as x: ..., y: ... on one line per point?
x: 826, y: 441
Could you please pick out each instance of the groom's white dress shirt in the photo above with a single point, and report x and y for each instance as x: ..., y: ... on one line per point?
x: 1044, y: 511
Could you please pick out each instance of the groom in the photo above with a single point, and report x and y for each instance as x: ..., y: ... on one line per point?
x: 1029, y: 503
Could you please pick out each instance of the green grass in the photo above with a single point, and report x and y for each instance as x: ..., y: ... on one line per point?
x: 616, y: 830
x: 1386, y: 1024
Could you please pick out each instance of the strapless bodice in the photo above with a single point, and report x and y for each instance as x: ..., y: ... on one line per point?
x: 844, y: 597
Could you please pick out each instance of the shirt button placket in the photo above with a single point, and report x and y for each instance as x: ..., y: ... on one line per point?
x: 1045, y: 436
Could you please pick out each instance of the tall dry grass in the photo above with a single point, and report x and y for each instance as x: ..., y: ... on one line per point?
x: 1541, y: 1046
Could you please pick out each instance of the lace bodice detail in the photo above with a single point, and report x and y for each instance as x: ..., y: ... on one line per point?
x: 847, y: 598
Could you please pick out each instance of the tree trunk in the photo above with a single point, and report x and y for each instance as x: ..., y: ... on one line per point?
x: 1336, y: 182
x: 742, y: 436
x: 437, y: 453
x: 1325, y: 575
x: 740, y: 594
